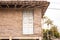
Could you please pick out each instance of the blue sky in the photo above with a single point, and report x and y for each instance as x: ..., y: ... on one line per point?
x: 53, y: 12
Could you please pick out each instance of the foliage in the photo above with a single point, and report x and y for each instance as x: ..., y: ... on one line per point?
x: 53, y: 32
x: 45, y: 36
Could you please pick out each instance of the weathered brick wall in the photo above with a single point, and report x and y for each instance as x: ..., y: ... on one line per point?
x: 11, y: 22
x: 37, y: 21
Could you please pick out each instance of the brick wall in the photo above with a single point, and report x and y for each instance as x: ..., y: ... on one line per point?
x: 11, y: 22
x: 37, y: 21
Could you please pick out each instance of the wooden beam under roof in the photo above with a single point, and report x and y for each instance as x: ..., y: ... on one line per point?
x: 25, y: 4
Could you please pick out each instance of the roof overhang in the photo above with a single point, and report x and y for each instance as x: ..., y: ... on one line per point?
x: 25, y: 4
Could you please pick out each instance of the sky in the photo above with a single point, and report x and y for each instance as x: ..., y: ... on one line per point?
x: 53, y: 12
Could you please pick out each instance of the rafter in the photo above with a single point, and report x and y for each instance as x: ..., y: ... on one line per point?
x: 24, y: 4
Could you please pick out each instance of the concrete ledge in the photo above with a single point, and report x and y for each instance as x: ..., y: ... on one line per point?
x: 10, y: 38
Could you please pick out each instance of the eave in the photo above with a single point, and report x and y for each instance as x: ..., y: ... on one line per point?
x: 25, y: 4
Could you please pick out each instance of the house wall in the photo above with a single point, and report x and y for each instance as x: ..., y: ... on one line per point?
x: 37, y: 21
x: 11, y: 23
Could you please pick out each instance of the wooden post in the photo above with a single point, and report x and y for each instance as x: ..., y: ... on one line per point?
x: 40, y: 38
x: 10, y: 37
